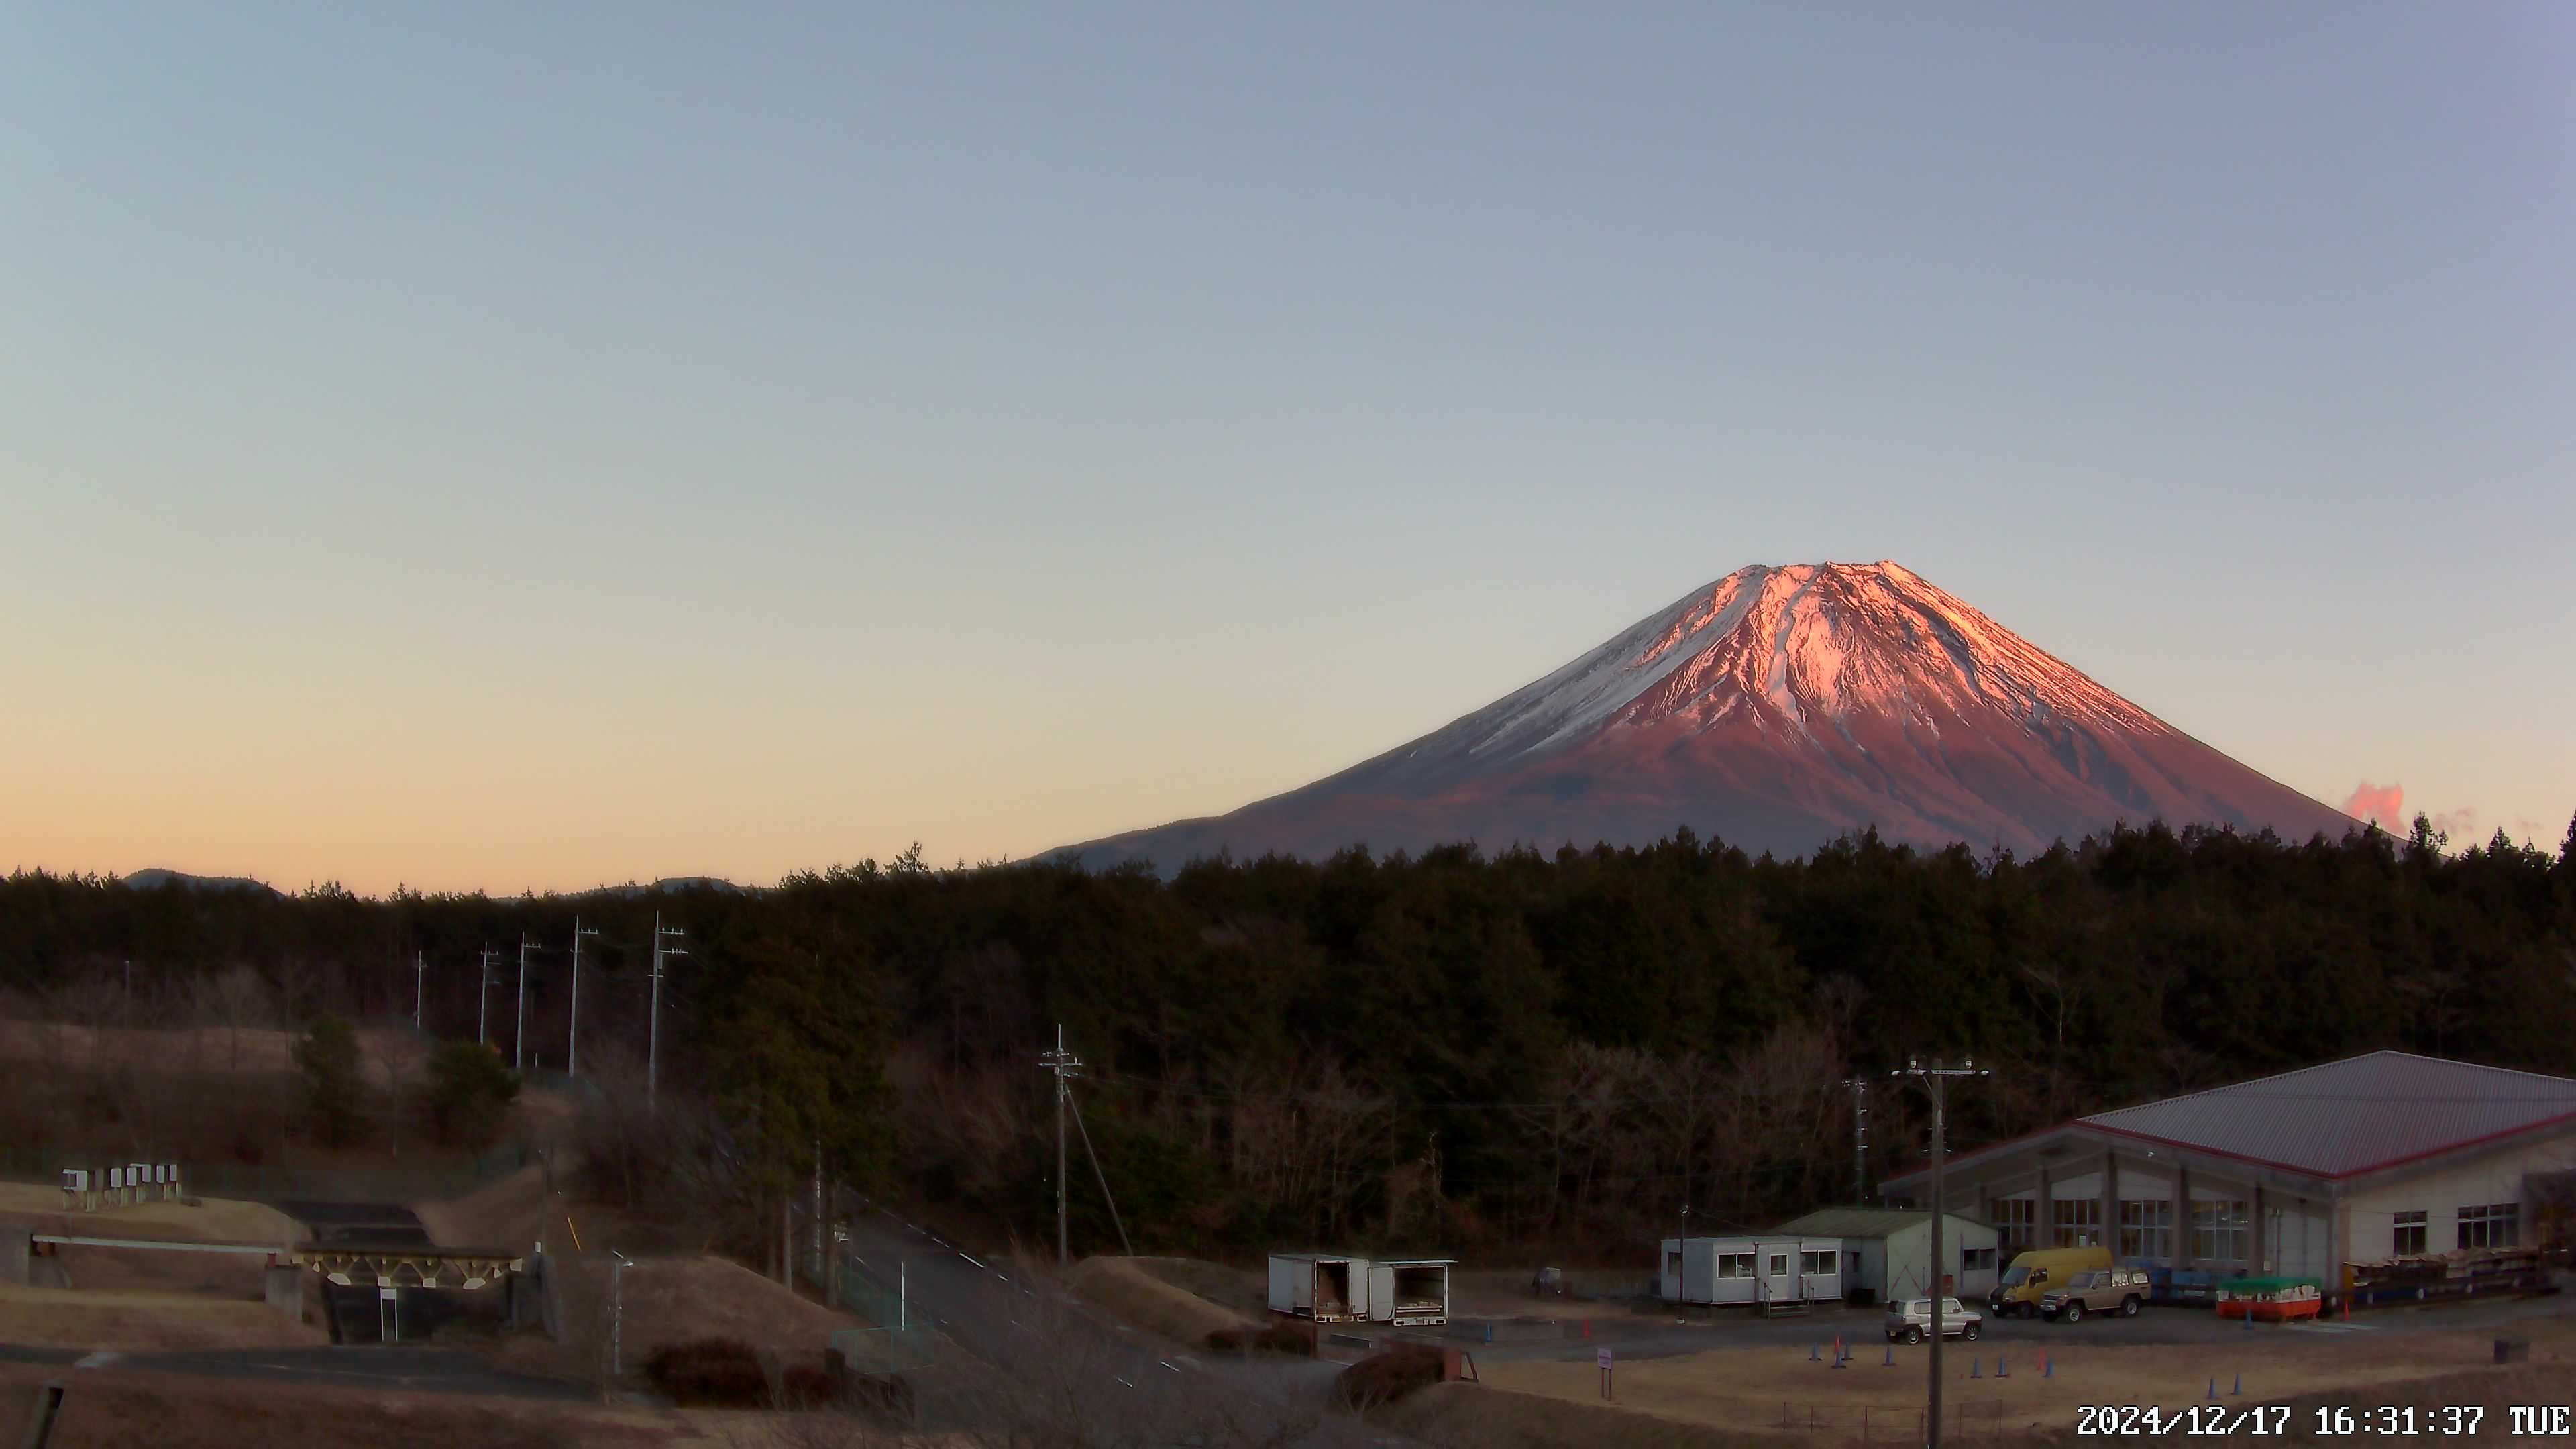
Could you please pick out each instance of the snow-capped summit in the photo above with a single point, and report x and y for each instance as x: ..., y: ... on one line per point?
x: 1775, y: 708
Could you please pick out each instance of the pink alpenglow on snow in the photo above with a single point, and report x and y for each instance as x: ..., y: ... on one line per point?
x: 1775, y: 709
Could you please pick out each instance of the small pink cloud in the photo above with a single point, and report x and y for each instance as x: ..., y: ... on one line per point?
x: 2381, y: 805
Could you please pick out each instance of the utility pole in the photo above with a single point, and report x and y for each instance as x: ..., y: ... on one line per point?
x: 519, y: 1033
x: 653, y: 1039
x: 572, y: 1037
x: 1860, y: 1142
x: 1066, y: 1067
x: 1935, y: 1079
x: 419, y: 986
x: 483, y: 998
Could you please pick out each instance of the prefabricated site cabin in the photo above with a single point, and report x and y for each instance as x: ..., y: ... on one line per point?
x: 1326, y: 1287
x: 1887, y: 1252
x: 1409, y: 1292
x: 1755, y: 1271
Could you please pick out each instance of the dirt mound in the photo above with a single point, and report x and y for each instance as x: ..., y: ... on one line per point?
x: 514, y: 1213
x: 1134, y: 1294
x: 137, y: 1322
x: 210, y: 1220
x: 1500, y: 1419
x: 1237, y: 1290
x: 680, y: 1300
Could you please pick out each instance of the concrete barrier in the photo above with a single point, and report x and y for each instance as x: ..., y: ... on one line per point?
x: 284, y: 1289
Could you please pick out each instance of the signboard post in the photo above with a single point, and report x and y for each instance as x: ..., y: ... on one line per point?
x: 1603, y: 1358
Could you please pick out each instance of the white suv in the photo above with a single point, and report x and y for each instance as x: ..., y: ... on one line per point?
x: 1909, y: 1319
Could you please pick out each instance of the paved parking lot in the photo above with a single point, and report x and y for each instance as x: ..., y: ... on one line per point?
x: 1631, y: 1334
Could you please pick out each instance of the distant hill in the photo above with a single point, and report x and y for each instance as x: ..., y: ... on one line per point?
x: 1776, y: 709
x: 146, y: 880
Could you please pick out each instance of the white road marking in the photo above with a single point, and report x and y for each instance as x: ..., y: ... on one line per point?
x: 100, y: 1359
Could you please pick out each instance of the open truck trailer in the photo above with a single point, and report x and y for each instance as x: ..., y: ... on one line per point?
x: 1409, y: 1292
x: 1326, y: 1287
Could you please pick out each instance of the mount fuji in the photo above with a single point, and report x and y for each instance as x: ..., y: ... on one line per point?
x: 1775, y: 709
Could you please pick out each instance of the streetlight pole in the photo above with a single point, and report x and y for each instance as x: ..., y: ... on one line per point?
x: 1934, y: 1079
x: 419, y: 986
x: 572, y: 1037
x: 483, y: 999
x: 519, y: 1033
x: 653, y: 1038
x: 1066, y: 1067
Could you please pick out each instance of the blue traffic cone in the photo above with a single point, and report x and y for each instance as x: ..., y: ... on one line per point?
x: 2240, y: 1385
x: 1972, y: 1370
x: 2047, y: 1367
x: 1891, y: 1357
x: 2003, y: 1370
x: 1815, y: 1353
x: 2213, y: 1388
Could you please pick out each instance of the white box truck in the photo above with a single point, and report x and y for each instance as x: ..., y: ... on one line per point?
x: 1409, y: 1292
x: 1326, y: 1287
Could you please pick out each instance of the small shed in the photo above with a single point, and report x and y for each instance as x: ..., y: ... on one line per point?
x: 1326, y: 1287
x: 1783, y: 1267
x: 1887, y: 1252
x: 1409, y: 1292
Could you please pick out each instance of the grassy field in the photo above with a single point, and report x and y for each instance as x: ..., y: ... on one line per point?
x: 1758, y: 1389
x: 138, y: 1322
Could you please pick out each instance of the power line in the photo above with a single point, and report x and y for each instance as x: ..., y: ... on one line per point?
x: 662, y: 936
x: 1066, y: 1067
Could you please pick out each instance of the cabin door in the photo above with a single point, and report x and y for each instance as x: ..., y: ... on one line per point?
x: 1780, y: 1275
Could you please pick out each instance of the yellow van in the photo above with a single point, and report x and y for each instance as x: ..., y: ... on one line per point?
x: 2031, y: 1273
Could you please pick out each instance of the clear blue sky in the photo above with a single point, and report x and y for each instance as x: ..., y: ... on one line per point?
x: 503, y: 445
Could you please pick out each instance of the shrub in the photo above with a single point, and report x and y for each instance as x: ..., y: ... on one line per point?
x: 1386, y: 1377
x: 803, y: 1386
x: 1268, y: 1338
x: 469, y: 1093
x: 710, y: 1372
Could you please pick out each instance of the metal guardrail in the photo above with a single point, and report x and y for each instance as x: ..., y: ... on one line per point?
x: 248, y: 1249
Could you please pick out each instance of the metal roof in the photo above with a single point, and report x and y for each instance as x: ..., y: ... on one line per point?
x: 2357, y: 1115
x: 1866, y: 1222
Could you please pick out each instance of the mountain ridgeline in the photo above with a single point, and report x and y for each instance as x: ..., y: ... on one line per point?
x: 1776, y: 709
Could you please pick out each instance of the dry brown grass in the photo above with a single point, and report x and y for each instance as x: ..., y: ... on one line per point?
x: 1749, y: 1389
x: 1128, y: 1291
x: 209, y: 1220
x: 114, y: 1408
x: 1480, y: 1415
x: 251, y: 1051
x: 511, y: 1213
x: 1240, y: 1290
x: 141, y: 1322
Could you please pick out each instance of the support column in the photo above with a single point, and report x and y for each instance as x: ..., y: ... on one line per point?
x: 2043, y: 1214
x: 2254, y: 1230
x: 2182, y: 1218
x: 2111, y: 1202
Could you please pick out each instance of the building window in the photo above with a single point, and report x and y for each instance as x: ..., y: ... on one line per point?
x: 2218, y: 1231
x: 2078, y: 1223
x: 1735, y: 1265
x: 2496, y: 1225
x: 1976, y: 1260
x: 1779, y: 1265
x: 1821, y: 1264
x: 2013, y: 1218
x: 2409, y: 1236
x: 2146, y: 1230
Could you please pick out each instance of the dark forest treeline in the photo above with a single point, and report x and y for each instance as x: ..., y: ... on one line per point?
x: 1456, y: 1048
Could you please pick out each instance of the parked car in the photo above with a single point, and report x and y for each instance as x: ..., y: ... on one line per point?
x: 2098, y: 1290
x: 1910, y: 1319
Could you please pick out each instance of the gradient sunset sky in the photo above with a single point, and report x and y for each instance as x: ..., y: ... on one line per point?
x: 516, y: 446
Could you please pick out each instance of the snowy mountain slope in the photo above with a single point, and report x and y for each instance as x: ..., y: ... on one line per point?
x: 1776, y: 708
